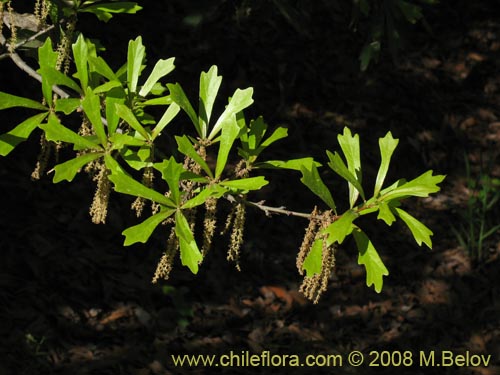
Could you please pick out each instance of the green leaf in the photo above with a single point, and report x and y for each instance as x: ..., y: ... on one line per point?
x: 350, y: 147
x: 385, y: 213
x: 80, y: 54
x: 92, y: 107
x: 387, y: 146
x: 207, y: 192
x: 294, y: 164
x: 179, y: 96
x: 55, y: 77
x: 120, y: 140
x: 135, y: 58
x: 209, y: 87
x: 419, y: 231
x: 47, y: 58
x: 368, y: 256
x: 337, y: 165
x: 240, y: 100
x: 56, y: 132
x: 411, y: 12
x: 369, y: 52
x: 11, y: 101
x: 113, y: 97
x: 186, y: 147
x: 104, y: 11
x: 161, y: 69
x: 421, y: 186
x: 278, y: 134
x: 105, y: 87
x: 230, y: 131
x: 127, y: 185
x: 137, y: 159
x: 67, y: 105
x: 312, y: 179
x: 68, y: 170
x: 314, y: 260
x: 141, y: 232
x: 100, y: 66
x: 20, y: 133
x: 172, y: 111
x: 190, y: 254
x: 245, y: 184
x: 128, y: 116
x: 340, y: 228
x: 172, y: 175
x: 252, y: 144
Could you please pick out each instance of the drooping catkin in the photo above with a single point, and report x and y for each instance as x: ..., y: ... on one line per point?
x: 13, y: 27
x: 43, y: 158
x: 236, y: 239
x: 314, y: 286
x: 41, y: 11
x: 64, y: 46
x: 99, y: 208
x: 166, y: 262
x: 308, y: 240
x: 147, y: 180
x: 209, y: 224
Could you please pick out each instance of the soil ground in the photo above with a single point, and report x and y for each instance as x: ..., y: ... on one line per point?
x: 74, y: 300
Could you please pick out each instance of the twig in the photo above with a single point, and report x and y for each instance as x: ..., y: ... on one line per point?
x: 23, y: 42
x: 268, y: 210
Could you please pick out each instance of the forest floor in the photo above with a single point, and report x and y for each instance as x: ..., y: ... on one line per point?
x: 74, y: 300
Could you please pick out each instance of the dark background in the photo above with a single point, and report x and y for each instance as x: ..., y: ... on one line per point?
x: 74, y: 300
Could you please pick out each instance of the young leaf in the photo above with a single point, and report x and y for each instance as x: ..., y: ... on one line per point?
x: 47, y: 58
x: 56, y: 132
x: 245, y: 184
x: 419, y: 231
x: 385, y: 213
x: 68, y: 170
x: 350, y: 147
x: 179, y: 96
x: 387, y: 146
x: 312, y: 179
x: 92, y: 107
x: 127, y: 185
x: 368, y: 256
x: 312, y: 263
x: 207, y: 192
x: 100, y: 66
x: 113, y: 97
x: 172, y: 175
x: 141, y: 232
x: 421, y: 186
x: 278, y: 134
x: 186, y: 147
x: 80, y: 54
x: 340, y: 228
x: 55, y: 77
x: 135, y: 57
x: 120, y: 140
x: 172, y: 111
x: 229, y: 134
x: 190, y: 254
x: 126, y: 114
x: 107, y: 86
x: 20, y: 133
x: 11, y: 101
x: 209, y: 87
x: 338, y: 166
x: 161, y: 69
x: 240, y: 100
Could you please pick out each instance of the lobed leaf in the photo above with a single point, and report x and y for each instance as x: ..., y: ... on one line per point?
x: 207, y: 192
x: 230, y: 131
x: 161, y: 69
x: 314, y: 260
x: 92, y: 106
x: 172, y: 111
x: 245, y: 184
x: 350, y: 147
x: 385, y: 213
x: 12, y: 101
x: 80, y: 55
x: 55, y: 131
x: 128, y: 116
x: 419, y: 231
x: 68, y: 170
x: 340, y: 228
x: 312, y: 179
x: 135, y: 57
x: 104, y: 11
x: 421, y: 186
x: 338, y: 166
x: 190, y: 254
x: 209, y: 87
x: 9, y: 140
x: 179, y: 96
x: 387, y: 146
x: 141, y: 232
x: 186, y: 147
x: 368, y: 256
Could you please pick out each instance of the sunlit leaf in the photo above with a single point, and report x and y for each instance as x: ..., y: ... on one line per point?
x: 340, y: 228
x: 80, y: 55
x: 126, y: 114
x: 11, y: 101
x: 68, y: 170
x: 421, y: 186
x: 240, y: 100
x: 56, y: 132
x: 190, y: 254
x: 141, y: 232
x: 312, y: 179
x: 209, y: 87
x: 67, y: 105
x: 294, y: 164
x: 187, y: 148
x: 179, y: 96
x: 172, y: 111
x: 135, y: 58
x: 350, y: 147
x: 20, y: 133
x: 313, y: 261
x: 385, y: 213
x: 104, y: 11
x: 245, y: 184
x: 161, y: 69
x: 387, y: 146
x: 338, y: 166
x: 92, y: 107
x: 419, y: 231
x: 230, y: 131
x: 209, y: 191
x: 368, y: 256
